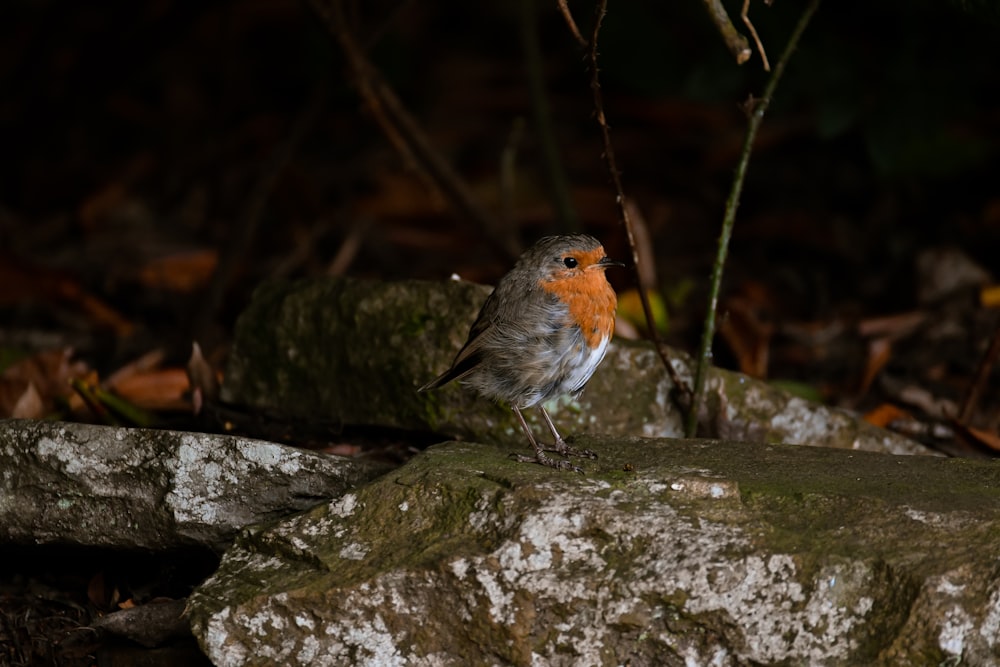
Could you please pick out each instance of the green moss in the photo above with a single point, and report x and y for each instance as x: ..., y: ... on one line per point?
x: 850, y: 530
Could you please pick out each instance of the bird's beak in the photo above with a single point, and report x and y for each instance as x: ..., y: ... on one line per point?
x: 607, y: 262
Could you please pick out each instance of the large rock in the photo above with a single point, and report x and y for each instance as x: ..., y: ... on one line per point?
x: 667, y: 552
x: 88, y: 485
x: 355, y: 352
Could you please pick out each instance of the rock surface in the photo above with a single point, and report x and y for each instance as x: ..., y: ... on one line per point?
x: 667, y: 552
x: 355, y: 352
x: 137, y: 488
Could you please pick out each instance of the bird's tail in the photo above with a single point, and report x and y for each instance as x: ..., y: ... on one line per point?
x: 462, y: 367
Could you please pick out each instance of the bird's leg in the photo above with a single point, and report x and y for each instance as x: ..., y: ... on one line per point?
x: 540, y: 456
x: 559, y: 445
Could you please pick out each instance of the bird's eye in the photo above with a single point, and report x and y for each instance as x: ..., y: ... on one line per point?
x: 570, y: 262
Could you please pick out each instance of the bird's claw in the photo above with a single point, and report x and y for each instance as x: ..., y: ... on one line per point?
x: 541, y: 459
x: 561, y: 447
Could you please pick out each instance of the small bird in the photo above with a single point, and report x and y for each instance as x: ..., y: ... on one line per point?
x: 541, y: 334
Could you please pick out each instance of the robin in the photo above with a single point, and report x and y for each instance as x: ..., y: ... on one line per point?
x: 541, y: 334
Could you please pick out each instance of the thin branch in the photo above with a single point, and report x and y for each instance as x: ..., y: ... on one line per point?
x: 623, y: 208
x: 756, y: 109
x: 737, y: 43
x: 405, y: 133
x: 753, y: 33
x: 564, y: 9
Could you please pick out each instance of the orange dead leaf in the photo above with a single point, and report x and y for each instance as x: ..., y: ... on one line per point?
x: 21, y: 283
x: 879, y: 353
x: 747, y: 333
x: 145, y: 385
x: 180, y: 272
x: 885, y: 414
x: 147, y: 362
x: 986, y: 438
x: 161, y: 389
x: 989, y: 296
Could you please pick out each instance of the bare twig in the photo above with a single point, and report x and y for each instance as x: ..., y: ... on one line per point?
x: 736, y: 42
x: 348, y: 250
x: 564, y: 9
x: 645, y: 268
x: 753, y: 33
x: 623, y: 207
x: 405, y: 133
x: 756, y: 110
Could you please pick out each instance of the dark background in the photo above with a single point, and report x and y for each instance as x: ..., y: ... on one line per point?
x: 159, y: 159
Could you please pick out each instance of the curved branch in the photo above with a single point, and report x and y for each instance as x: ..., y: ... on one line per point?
x: 737, y: 43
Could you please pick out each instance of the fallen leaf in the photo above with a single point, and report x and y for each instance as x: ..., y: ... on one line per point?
x: 746, y: 331
x: 145, y: 363
x: 29, y: 404
x: 986, y: 438
x: 180, y: 272
x: 894, y: 326
x: 203, y: 379
x: 989, y: 296
x: 879, y: 353
x: 885, y: 414
x: 23, y: 283
x: 160, y: 389
x: 32, y: 386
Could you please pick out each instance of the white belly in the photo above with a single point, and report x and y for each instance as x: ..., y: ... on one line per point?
x: 585, y: 367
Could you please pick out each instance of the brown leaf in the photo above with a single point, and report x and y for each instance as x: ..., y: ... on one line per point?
x: 885, y: 414
x: 21, y: 283
x: 747, y: 332
x: 879, y: 353
x: 147, y: 362
x: 161, y: 389
x: 29, y: 405
x: 893, y: 327
x: 988, y: 439
x: 31, y: 386
x: 181, y: 272
x: 989, y: 296
x: 204, y: 381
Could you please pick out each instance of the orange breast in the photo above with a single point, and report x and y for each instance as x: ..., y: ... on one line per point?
x: 591, y: 302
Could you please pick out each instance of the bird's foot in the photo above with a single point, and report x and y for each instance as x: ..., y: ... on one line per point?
x: 541, y: 459
x: 561, y: 447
